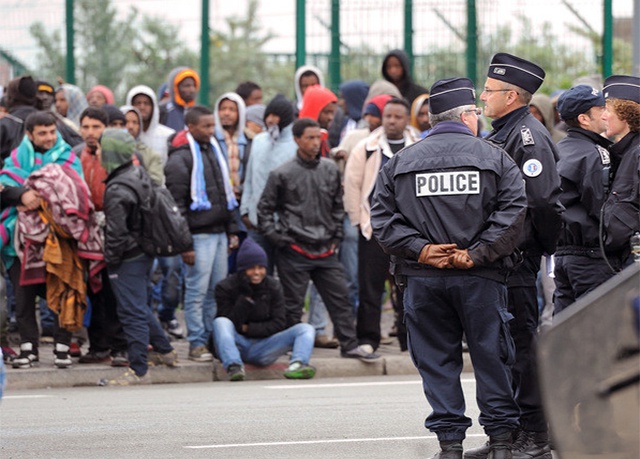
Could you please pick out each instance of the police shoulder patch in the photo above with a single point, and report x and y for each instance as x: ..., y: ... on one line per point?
x: 604, y: 155
x: 527, y: 137
x: 532, y: 168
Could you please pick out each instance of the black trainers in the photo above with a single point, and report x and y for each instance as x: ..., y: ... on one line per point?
x: 27, y: 357
x: 173, y: 328
x: 500, y: 446
x: 532, y: 445
x: 364, y: 352
x: 449, y: 450
x: 236, y: 372
x: 95, y: 357
x: 62, y: 358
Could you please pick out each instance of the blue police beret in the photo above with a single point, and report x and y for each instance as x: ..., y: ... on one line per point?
x: 451, y: 93
x: 622, y: 87
x: 578, y: 100
x: 516, y: 71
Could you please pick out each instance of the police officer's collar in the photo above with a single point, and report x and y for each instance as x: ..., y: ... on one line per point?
x: 450, y: 127
x: 502, y: 126
x: 594, y: 137
x: 625, y: 144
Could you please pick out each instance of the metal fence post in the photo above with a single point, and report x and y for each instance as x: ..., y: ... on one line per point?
x: 408, y: 34
x: 204, y: 55
x: 70, y: 70
x: 607, y: 40
x: 472, y: 42
x: 334, y: 60
x: 301, y: 54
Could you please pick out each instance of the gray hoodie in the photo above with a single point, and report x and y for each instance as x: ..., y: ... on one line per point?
x: 156, y: 136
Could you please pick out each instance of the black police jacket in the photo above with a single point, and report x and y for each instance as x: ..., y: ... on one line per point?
x: 621, y: 211
x: 584, y: 168
x: 528, y: 142
x: 451, y: 187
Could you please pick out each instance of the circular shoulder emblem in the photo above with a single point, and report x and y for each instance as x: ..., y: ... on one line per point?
x: 532, y: 168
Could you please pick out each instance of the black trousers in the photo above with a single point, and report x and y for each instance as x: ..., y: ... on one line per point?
x: 105, y: 331
x: 25, y: 296
x: 373, y: 270
x: 577, y: 275
x: 523, y: 305
x: 295, y: 271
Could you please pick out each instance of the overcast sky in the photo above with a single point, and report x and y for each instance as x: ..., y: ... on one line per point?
x: 361, y: 19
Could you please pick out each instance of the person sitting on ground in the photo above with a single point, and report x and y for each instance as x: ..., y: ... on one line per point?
x: 251, y: 322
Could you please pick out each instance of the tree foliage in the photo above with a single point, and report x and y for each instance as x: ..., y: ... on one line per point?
x: 118, y: 53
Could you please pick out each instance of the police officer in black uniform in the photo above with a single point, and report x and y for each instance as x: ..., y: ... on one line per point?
x: 507, y: 92
x: 585, y: 169
x: 621, y: 214
x: 451, y: 208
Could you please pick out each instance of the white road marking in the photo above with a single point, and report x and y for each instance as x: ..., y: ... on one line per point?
x: 363, y: 384
x: 15, y: 397
x: 316, y: 442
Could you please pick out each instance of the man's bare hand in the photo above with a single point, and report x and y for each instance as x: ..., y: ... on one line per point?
x: 189, y: 258
x: 30, y: 200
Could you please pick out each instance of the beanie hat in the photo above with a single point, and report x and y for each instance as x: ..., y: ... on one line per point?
x: 113, y: 113
x: 281, y: 107
x: 250, y: 254
x: 376, y: 105
x: 21, y: 91
x: 255, y: 113
x: 106, y: 92
x: 117, y: 148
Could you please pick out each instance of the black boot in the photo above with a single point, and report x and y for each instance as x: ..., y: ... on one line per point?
x: 481, y: 452
x: 449, y: 450
x: 532, y: 445
x: 500, y: 446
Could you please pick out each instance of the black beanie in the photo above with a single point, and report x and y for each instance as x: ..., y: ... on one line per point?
x: 21, y: 91
x: 282, y: 107
x: 113, y: 113
x: 249, y: 255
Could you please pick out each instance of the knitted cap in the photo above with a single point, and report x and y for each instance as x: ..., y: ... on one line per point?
x: 255, y: 113
x: 281, y: 107
x: 250, y: 254
x: 117, y: 148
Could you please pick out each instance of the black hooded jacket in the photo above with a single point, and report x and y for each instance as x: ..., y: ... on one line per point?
x: 407, y: 87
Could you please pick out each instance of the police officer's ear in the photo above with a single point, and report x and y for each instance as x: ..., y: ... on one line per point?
x: 470, y: 119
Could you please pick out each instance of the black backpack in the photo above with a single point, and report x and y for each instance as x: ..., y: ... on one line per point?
x: 165, y: 231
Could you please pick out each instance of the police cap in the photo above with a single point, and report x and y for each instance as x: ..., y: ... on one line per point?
x: 451, y: 93
x: 516, y: 71
x: 579, y: 100
x: 622, y: 87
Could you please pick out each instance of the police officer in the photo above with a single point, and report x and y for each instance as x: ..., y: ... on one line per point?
x: 584, y: 169
x: 507, y: 92
x: 451, y: 208
x: 621, y: 214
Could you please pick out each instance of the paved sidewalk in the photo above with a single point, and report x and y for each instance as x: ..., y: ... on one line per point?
x: 327, y: 362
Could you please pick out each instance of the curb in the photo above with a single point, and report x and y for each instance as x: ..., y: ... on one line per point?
x: 189, y: 372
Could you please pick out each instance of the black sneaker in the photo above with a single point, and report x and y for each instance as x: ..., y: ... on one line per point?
x: 95, y: 357
x: 119, y: 359
x: 62, y: 359
x: 364, y: 352
x: 236, y: 372
x: 449, y: 450
x: 27, y: 357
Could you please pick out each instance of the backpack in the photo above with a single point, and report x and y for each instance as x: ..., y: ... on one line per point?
x: 164, y: 232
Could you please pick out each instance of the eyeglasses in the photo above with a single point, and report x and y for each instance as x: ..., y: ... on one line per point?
x: 477, y: 111
x: 498, y: 90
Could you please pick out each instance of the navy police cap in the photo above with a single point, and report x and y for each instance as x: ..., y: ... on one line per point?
x: 622, y: 87
x: 451, y: 93
x: 514, y: 70
x: 579, y: 100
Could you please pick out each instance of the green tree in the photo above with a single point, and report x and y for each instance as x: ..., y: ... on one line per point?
x: 118, y: 53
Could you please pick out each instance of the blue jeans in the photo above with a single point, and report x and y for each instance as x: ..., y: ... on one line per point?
x: 200, y: 281
x: 171, y: 287
x: 140, y: 325
x: 234, y: 348
x: 348, y: 256
x: 318, y: 315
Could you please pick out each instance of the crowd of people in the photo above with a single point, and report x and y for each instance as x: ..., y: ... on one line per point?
x: 331, y: 198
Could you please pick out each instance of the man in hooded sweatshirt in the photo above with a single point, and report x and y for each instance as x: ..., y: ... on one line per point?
x: 269, y: 150
x: 128, y: 265
x: 395, y: 68
x: 230, y: 119
x: 148, y: 158
x: 305, y: 77
x: 153, y: 134
x: 21, y: 100
x: 183, y: 85
x: 348, y: 117
x: 319, y: 104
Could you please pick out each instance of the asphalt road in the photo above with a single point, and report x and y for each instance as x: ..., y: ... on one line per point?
x: 373, y: 417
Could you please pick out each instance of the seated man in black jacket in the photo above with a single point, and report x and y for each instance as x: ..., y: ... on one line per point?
x: 250, y: 326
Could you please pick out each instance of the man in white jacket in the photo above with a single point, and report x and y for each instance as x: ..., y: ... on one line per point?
x: 364, y: 164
